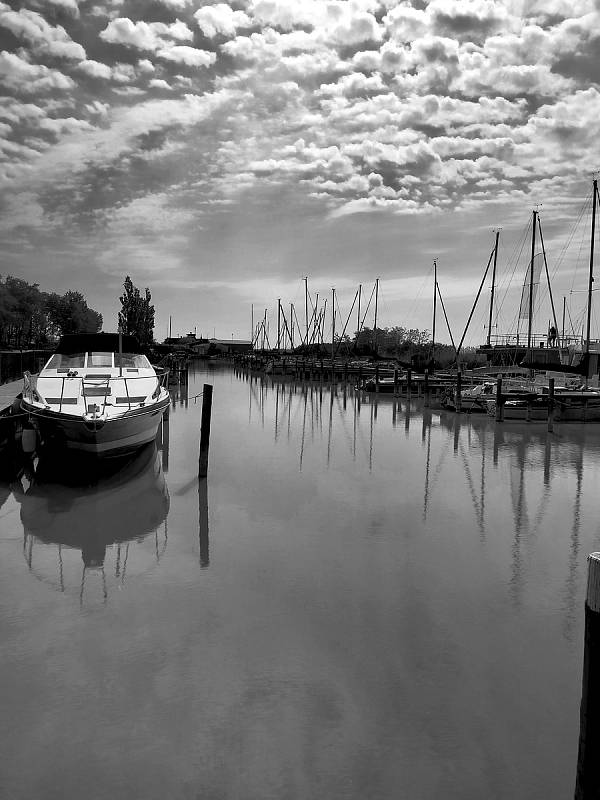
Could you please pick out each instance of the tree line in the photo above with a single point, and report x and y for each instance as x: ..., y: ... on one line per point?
x: 32, y: 318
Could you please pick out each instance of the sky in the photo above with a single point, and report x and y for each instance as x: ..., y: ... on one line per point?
x: 219, y: 153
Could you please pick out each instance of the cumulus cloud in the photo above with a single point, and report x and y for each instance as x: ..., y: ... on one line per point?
x: 221, y: 19
x: 45, y: 38
x: 141, y: 35
x: 19, y: 75
x: 190, y: 56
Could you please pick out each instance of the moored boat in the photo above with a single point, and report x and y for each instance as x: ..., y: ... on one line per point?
x: 97, y: 393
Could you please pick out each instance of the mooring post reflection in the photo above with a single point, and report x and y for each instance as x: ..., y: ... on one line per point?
x: 203, y: 521
x: 587, y: 784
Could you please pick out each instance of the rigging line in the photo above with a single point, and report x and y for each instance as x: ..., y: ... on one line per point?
x: 426, y: 282
x: 446, y: 317
x: 582, y: 243
x: 507, y: 281
x: 367, y: 309
x: 346, y: 325
x: 567, y: 244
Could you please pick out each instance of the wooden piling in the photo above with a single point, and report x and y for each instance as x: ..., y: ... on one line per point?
x: 205, y: 430
x: 458, y: 401
x: 395, y: 382
x: 587, y: 785
x: 499, y: 404
x: 426, y: 388
x: 550, y: 405
x: 408, y: 382
x: 359, y: 376
x: 376, y: 377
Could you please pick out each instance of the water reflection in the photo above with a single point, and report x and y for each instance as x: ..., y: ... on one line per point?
x: 518, y: 463
x: 93, y: 521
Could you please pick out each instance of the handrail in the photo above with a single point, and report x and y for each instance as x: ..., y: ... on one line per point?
x: 161, y: 377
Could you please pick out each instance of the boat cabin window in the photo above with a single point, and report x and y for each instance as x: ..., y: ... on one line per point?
x: 99, y: 360
x: 131, y: 361
x: 64, y: 361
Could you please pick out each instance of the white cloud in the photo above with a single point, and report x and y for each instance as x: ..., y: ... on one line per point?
x: 190, y: 56
x: 158, y: 83
x: 45, y: 38
x: 222, y: 19
x: 95, y: 69
x: 18, y: 74
x: 142, y: 35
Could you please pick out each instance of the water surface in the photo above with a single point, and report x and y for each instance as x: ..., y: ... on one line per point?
x: 367, y: 599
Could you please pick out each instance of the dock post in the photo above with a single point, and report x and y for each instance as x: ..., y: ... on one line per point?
x: 528, y: 411
x: 458, y: 401
x: 550, y: 405
x: 408, y: 383
x: 395, y: 381
x: 376, y: 377
x: 346, y: 372
x: 587, y: 784
x: 359, y: 384
x: 499, y: 405
x: 205, y: 430
x: 426, y: 388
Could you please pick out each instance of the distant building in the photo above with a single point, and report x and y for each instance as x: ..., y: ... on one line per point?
x: 222, y: 347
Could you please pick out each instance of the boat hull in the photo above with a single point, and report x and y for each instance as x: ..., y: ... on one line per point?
x: 121, y: 434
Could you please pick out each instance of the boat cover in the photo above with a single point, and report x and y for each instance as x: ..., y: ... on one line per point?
x: 72, y: 343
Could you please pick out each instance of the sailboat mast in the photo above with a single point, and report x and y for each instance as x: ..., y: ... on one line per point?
x: 279, y: 326
x: 332, y: 325
x: 489, y: 335
x: 434, y: 308
x: 591, y: 277
x: 563, y: 321
x: 375, y: 322
x: 358, y: 316
x: 306, y: 306
x: 530, y: 314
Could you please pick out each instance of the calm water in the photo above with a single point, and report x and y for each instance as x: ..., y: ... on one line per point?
x: 370, y: 600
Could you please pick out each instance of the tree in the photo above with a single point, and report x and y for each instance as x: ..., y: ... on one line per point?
x: 136, y: 316
x: 70, y: 313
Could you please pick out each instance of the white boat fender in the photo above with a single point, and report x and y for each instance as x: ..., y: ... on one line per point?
x: 29, y: 440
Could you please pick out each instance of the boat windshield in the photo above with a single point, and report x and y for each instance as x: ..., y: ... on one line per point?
x: 64, y: 361
x: 97, y: 360
x: 131, y: 361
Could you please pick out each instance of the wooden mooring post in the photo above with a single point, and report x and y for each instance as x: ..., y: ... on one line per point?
x: 408, y: 382
x: 426, y: 388
x: 395, y: 382
x: 205, y: 430
x: 587, y: 784
x: 376, y: 377
x: 499, y: 403
x: 458, y: 401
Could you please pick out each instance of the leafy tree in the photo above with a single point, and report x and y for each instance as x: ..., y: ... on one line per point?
x: 30, y: 317
x: 70, y: 313
x: 136, y: 316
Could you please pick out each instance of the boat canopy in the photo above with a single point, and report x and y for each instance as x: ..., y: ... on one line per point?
x: 72, y: 343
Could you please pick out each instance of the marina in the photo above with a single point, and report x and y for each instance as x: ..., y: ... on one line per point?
x: 393, y: 605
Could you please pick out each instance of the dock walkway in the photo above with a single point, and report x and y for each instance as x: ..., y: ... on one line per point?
x: 8, y: 392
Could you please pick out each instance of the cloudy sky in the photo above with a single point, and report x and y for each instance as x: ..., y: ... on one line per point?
x: 218, y: 153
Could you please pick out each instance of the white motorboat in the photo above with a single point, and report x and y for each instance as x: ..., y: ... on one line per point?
x: 97, y: 393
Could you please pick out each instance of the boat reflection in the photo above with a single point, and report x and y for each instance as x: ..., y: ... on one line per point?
x: 107, y: 518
